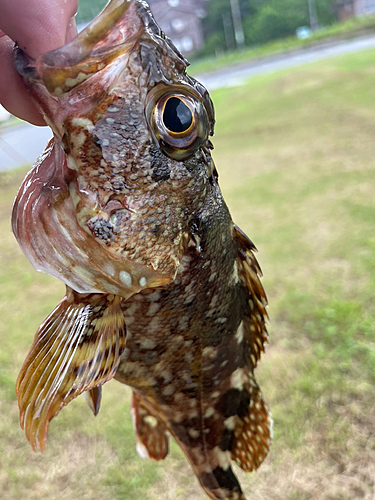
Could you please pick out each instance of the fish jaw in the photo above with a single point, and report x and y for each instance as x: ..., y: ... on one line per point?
x: 96, y: 58
x: 51, y: 78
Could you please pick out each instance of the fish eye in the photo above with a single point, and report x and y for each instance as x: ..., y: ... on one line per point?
x: 178, y: 121
x: 177, y: 116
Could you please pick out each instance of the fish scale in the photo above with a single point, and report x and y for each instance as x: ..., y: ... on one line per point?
x: 163, y: 289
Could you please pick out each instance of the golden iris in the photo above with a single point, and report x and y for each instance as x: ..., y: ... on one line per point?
x: 178, y: 121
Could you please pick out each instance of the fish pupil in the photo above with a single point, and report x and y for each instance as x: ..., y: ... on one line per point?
x: 177, y: 116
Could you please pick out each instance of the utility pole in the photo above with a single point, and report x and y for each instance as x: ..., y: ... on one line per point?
x: 227, y: 23
x: 313, y: 15
x: 237, y: 24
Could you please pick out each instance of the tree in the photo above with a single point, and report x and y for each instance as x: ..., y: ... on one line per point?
x: 276, y: 19
x: 218, y: 26
x: 88, y: 9
x: 263, y: 20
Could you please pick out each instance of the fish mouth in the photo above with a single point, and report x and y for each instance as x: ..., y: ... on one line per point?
x: 112, y: 33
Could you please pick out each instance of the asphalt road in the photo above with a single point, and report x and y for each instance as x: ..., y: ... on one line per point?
x: 241, y: 73
x: 22, y: 144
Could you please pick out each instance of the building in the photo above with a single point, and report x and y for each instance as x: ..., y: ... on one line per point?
x: 347, y: 9
x: 181, y: 20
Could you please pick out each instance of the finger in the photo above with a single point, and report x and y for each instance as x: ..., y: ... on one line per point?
x: 13, y: 95
x: 38, y: 26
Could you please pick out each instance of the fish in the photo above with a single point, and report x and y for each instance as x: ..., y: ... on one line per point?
x: 163, y: 290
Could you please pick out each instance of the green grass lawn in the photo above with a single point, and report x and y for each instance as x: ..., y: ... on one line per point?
x: 295, y: 152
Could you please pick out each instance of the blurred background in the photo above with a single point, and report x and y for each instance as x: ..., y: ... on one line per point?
x: 249, y: 36
x: 293, y: 83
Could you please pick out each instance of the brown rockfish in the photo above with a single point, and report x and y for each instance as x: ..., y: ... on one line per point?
x: 163, y: 289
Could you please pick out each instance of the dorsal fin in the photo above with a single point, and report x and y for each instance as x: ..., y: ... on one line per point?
x: 254, y: 328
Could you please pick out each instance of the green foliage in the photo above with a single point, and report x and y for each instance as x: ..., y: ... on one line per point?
x: 88, y: 9
x: 276, y: 19
x: 262, y: 20
x: 343, y: 30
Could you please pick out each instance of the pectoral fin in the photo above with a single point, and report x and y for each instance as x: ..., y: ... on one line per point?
x: 76, y: 349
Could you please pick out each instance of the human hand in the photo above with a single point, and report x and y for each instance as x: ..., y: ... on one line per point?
x: 38, y: 26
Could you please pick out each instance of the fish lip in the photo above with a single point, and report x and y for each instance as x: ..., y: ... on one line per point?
x: 112, y: 34
x: 82, y: 45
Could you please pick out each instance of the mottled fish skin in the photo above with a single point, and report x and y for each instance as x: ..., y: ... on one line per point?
x: 129, y: 214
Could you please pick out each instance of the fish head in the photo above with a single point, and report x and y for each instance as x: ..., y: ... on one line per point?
x: 131, y: 150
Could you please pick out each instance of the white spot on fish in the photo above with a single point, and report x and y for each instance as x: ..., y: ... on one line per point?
x: 167, y: 376
x: 221, y: 320
x: 109, y: 269
x: 235, y: 272
x: 126, y: 278
x: 238, y: 378
x: 212, y: 276
x: 193, y: 433
x: 183, y: 324
x: 78, y: 140
x: 130, y: 311
x: 83, y: 122
x: 209, y: 412
x: 223, y: 457
x: 113, y: 109
x: 71, y: 163
x: 154, y: 307
x: 213, y: 302
x: 210, y: 352
x: 168, y: 390
x: 153, y: 297
x: 239, y: 334
x: 178, y: 396
x: 230, y: 423
x: 151, y: 421
x: 143, y: 282
x: 71, y: 82
x: 147, y: 344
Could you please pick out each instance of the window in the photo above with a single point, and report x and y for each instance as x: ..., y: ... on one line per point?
x: 185, y: 44
x: 178, y: 24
